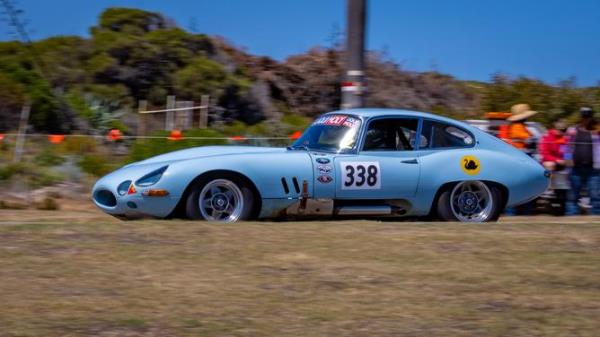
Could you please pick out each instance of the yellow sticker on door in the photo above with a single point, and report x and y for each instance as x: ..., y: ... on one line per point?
x: 470, y: 165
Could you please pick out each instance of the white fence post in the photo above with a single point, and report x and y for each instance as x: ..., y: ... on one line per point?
x: 22, y: 131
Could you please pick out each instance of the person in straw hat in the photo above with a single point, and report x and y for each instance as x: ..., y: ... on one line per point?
x: 518, y: 135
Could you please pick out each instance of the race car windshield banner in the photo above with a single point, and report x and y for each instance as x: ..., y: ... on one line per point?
x: 338, y: 120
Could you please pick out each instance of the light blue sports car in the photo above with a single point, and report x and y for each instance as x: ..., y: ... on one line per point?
x: 363, y: 162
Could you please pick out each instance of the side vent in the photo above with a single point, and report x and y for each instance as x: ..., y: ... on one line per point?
x: 286, y: 189
x: 296, y: 185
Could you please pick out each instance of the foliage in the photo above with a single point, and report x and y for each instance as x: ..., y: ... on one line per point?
x: 48, y: 157
x: 145, y: 148
x: 94, y: 165
x: 34, y: 175
x: 133, y: 55
x: 554, y: 102
x: 47, y: 204
x: 77, y: 145
x: 12, y: 97
x: 201, y: 77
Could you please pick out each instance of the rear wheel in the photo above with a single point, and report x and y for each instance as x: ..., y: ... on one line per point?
x: 223, y: 199
x: 470, y: 201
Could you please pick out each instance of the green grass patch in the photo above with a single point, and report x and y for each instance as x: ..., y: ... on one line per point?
x: 349, y: 278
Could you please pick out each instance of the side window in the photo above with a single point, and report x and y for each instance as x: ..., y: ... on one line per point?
x: 391, y: 134
x: 440, y: 135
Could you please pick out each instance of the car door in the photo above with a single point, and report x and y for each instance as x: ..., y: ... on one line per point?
x: 386, y: 165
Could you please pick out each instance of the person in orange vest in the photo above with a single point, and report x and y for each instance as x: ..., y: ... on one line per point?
x: 516, y: 132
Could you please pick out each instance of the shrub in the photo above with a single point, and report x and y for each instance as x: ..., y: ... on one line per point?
x: 146, y: 148
x: 78, y: 145
x: 34, y: 175
x: 48, y: 158
x: 94, y: 165
x: 8, y: 171
x: 12, y: 205
x: 48, y: 204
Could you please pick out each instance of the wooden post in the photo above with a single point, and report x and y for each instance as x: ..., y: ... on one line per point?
x: 22, y: 131
x: 182, y: 115
x: 188, y: 115
x: 204, y: 110
x: 170, y: 115
x: 142, y: 118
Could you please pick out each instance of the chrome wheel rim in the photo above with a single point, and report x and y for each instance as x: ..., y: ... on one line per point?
x: 471, y: 201
x: 221, y: 200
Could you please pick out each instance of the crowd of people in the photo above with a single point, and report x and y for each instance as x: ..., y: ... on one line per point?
x: 572, y: 151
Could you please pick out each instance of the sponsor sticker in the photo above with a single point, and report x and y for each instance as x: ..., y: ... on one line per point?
x: 360, y: 175
x: 324, y: 169
x: 323, y: 179
x: 323, y: 161
x: 470, y: 165
x: 338, y: 120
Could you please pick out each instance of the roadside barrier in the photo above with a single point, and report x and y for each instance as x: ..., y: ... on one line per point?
x: 116, y: 135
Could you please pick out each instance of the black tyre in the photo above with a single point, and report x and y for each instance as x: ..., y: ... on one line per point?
x: 220, y: 199
x: 470, y: 201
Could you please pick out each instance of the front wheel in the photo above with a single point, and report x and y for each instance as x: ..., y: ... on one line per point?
x: 470, y: 201
x: 220, y: 200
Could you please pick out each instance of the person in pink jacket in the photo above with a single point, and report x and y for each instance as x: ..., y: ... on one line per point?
x: 552, y: 147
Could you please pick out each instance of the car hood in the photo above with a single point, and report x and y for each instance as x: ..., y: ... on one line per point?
x: 207, y: 151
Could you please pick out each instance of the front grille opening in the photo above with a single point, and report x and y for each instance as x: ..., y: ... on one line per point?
x: 296, y: 185
x: 286, y: 188
x: 106, y: 198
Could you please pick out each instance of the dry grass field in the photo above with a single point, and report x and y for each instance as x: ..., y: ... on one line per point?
x: 85, y: 274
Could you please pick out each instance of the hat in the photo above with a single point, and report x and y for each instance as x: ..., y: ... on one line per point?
x: 586, y: 112
x: 520, y: 112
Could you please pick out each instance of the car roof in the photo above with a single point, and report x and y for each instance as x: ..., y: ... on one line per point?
x: 367, y: 113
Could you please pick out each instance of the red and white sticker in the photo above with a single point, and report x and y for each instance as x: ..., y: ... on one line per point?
x: 338, y: 120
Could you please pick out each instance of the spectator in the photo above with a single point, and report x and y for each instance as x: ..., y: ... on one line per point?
x: 518, y: 135
x: 552, y: 155
x: 583, y: 153
x: 552, y: 147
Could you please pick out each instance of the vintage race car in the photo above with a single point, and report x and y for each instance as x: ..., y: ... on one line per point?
x: 362, y: 162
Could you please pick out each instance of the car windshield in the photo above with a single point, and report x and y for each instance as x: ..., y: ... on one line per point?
x: 331, y: 133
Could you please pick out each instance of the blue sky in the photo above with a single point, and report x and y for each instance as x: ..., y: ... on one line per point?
x: 470, y: 39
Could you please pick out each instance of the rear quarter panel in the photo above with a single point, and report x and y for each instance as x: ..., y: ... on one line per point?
x: 497, y: 162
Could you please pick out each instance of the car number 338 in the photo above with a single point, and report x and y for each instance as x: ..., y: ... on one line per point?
x: 360, y: 162
x: 361, y: 175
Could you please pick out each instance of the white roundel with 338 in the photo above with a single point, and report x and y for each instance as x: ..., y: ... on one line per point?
x: 360, y: 175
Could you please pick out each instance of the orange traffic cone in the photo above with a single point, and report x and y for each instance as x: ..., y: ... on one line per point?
x: 176, y: 135
x: 295, y: 135
x: 114, y: 135
x: 56, y: 139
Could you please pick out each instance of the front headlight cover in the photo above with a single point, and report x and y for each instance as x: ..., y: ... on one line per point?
x: 151, y: 178
x: 123, y: 187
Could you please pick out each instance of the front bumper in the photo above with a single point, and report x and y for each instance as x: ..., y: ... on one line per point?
x: 106, y: 197
x: 136, y: 205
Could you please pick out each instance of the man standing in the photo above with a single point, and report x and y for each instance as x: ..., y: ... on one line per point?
x: 583, y: 151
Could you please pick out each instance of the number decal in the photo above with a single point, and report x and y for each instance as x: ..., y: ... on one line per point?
x: 361, y: 175
x: 349, y: 176
x: 372, y: 179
